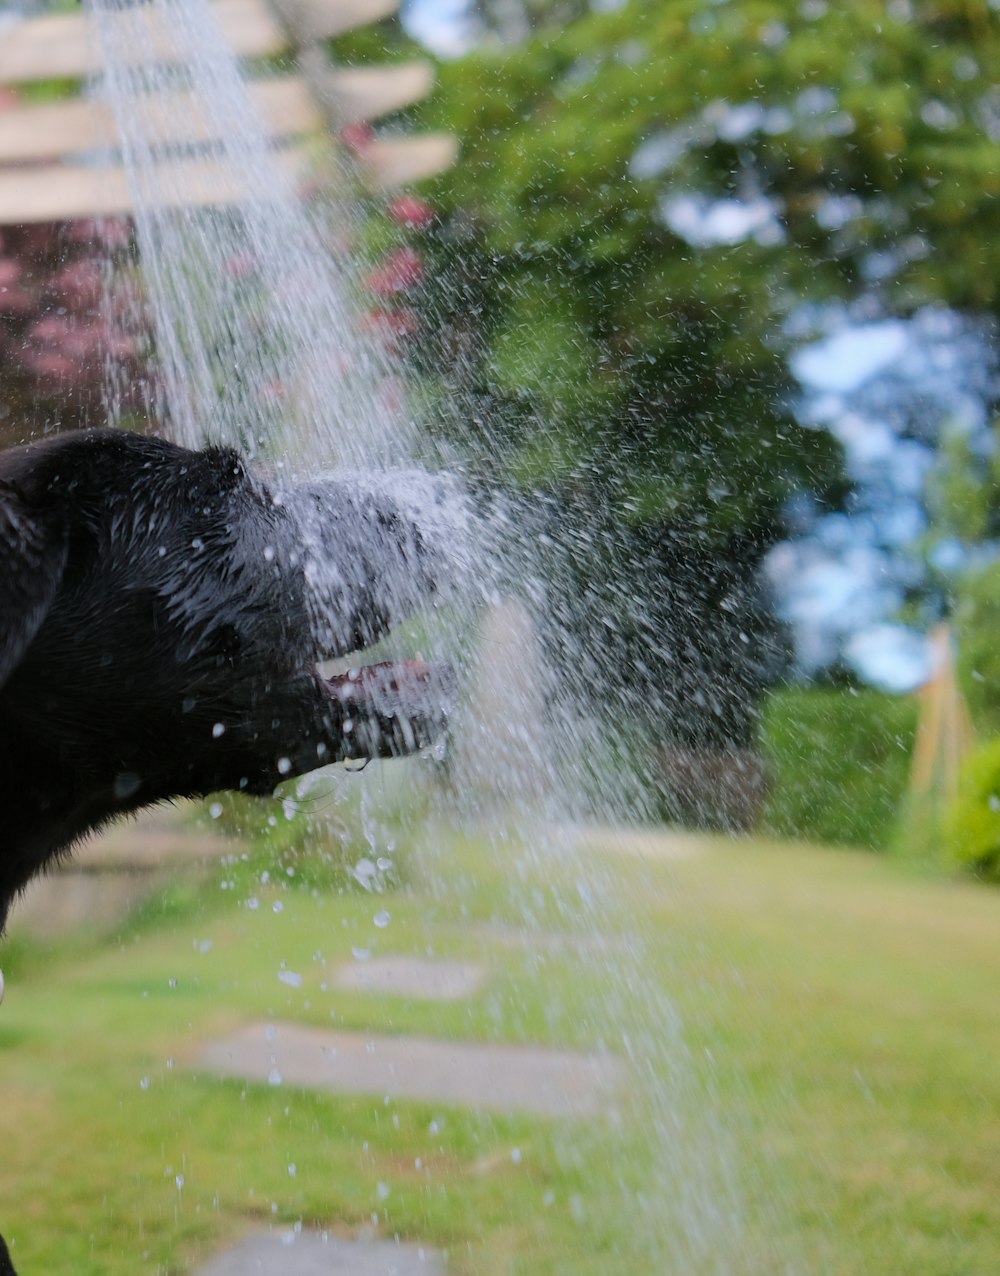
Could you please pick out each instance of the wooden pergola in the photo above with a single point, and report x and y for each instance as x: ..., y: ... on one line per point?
x: 48, y: 169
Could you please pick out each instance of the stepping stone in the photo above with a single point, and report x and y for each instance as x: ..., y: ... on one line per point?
x: 108, y: 876
x: 412, y: 977
x: 317, y: 1254
x: 496, y: 1078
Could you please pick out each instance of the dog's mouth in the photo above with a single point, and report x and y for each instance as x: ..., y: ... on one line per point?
x: 394, y: 707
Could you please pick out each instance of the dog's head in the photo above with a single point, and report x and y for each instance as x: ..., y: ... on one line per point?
x: 163, y: 614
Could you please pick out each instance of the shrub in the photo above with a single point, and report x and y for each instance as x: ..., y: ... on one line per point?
x: 838, y: 761
x: 977, y: 617
x: 972, y: 823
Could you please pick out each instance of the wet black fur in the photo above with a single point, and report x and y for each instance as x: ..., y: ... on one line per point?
x: 155, y: 635
x: 158, y: 637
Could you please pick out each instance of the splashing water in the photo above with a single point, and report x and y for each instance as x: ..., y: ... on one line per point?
x: 259, y: 344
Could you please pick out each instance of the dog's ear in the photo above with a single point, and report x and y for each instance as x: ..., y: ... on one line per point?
x: 32, y: 558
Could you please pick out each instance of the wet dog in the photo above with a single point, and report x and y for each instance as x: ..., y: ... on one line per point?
x: 162, y: 613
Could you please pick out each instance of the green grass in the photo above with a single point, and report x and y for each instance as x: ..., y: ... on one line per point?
x: 839, y: 762
x: 838, y: 1065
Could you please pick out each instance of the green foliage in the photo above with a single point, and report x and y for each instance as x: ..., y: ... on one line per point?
x: 977, y: 623
x: 584, y: 347
x: 958, y: 499
x: 972, y: 825
x: 619, y: 356
x: 871, y: 133
x: 839, y: 763
x: 381, y: 42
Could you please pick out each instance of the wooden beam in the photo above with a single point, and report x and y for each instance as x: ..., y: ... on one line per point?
x: 366, y: 93
x: 399, y: 161
x: 72, y: 127
x: 62, y: 46
x: 310, y: 20
x: 61, y: 129
x: 64, y: 192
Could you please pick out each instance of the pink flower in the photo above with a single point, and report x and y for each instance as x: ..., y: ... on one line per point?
x: 402, y: 269
x: 80, y: 284
x: 357, y: 137
x: 16, y: 301
x: 409, y: 210
x: 392, y: 327
x: 50, y: 365
x: 111, y: 232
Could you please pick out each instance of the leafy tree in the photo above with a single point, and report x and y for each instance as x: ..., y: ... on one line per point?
x: 646, y: 195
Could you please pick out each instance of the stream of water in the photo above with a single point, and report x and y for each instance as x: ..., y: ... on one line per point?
x: 259, y: 341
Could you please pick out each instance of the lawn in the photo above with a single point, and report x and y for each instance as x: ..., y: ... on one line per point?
x: 812, y: 1034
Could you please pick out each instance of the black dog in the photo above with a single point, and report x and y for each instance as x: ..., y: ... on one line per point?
x: 162, y: 612
x: 161, y: 615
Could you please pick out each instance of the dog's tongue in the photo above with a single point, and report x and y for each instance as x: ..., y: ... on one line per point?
x: 395, y: 707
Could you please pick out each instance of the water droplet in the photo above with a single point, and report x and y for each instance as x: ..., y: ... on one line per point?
x: 215, y: 810
x: 284, y: 766
x: 144, y: 1083
x: 217, y: 730
x: 382, y: 918
x: 274, y: 1077
x: 292, y: 1170
x: 277, y: 906
x: 383, y: 1191
x: 290, y: 978
x: 364, y: 872
x: 515, y: 1155
x: 253, y: 903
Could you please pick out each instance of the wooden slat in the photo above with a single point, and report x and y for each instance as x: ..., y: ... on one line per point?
x: 308, y: 20
x: 62, y: 129
x: 366, y: 93
x: 63, y: 45
x: 400, y: 161
x: 63, y: 192
x: 69, y: 128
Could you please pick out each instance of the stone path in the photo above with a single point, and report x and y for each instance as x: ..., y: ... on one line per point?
x: 489, y: 1077
x: 317, y: 1254
x: 108, y: 876
x: 414, y: 977
x: 495, y: 1078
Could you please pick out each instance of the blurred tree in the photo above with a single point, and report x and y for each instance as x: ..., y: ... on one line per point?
x: 646, y: 194
x: 512, y: 21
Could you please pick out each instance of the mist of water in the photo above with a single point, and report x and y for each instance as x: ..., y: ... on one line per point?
x: 259, y: 343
